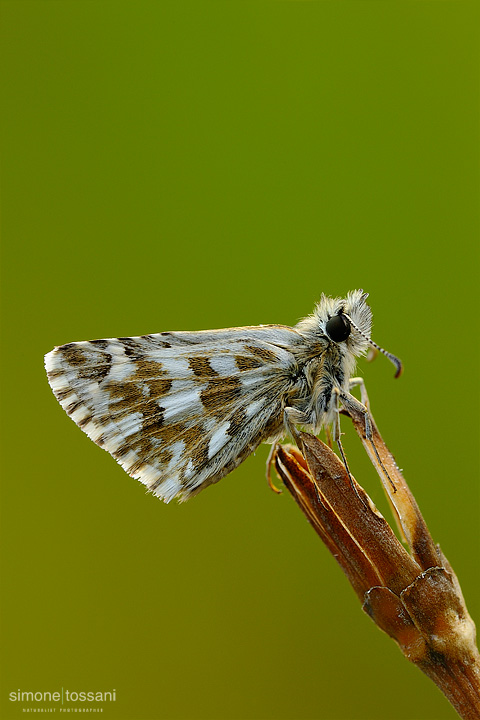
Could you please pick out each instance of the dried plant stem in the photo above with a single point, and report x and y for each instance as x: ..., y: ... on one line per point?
x: 414, y: 597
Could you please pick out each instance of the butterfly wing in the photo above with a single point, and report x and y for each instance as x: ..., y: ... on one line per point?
x: 177, y: 410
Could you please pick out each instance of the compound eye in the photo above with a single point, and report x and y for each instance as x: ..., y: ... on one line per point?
x: 338, y: 328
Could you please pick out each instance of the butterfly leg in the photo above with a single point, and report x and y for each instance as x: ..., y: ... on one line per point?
x: 350, y: 402
x: 290, y: 417
x: 360, y: 382
x: 337, y: 433
x: 269, y: 469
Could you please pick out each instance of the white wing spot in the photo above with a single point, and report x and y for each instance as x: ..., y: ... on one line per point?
x: 254, y: 407
x: 120, y: 371
x: 224, y: 365
x: 177, y: 368
x: 180, y: 404
x: 218, y: 440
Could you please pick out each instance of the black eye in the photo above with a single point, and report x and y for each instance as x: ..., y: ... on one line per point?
x: 338, y: 328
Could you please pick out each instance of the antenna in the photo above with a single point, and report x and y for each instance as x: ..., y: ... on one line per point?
x: 392, y: 358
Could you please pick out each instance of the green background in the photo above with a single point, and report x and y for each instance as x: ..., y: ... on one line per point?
x: 189, y: 165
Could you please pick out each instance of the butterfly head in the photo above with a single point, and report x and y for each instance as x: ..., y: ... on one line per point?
x: 347, y: 322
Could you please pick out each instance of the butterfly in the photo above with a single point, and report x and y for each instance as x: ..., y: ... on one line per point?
x: 180, y: 410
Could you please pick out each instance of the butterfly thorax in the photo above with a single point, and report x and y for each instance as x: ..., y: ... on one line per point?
x: 313, y: 396
x: 323, y: 363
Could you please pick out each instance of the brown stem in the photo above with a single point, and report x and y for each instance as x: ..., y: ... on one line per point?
x: 415, y: 598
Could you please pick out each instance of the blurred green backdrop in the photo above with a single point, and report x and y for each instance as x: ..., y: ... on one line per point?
x: 187, y: 165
